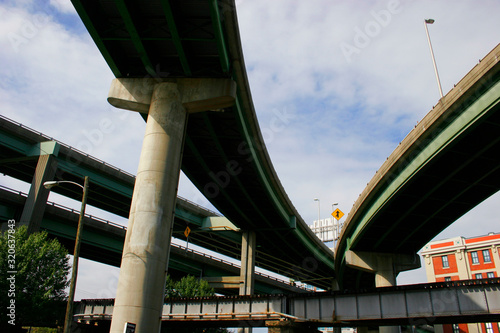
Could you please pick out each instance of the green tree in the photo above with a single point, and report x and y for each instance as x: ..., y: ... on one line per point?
x: 34, y: 277
x: 190, y: 286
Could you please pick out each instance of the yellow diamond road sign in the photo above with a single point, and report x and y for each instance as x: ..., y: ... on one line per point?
x: 187, y: 231
x: 337, y: 213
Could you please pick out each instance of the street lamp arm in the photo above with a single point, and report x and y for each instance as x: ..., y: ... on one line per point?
x: 53, y: 183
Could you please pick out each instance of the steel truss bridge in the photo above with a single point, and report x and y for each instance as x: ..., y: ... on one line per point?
x: 469, y: 301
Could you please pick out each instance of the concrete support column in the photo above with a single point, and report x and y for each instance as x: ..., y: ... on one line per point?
x: 385, y: 276
x: 34, y: 206
x: 141, y: 284
x: 247, y: 272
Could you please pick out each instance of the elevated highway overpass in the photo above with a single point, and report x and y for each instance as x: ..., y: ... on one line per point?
x: 448, y: 164
x: 430, y: 181
x: 224, y: 154
x: 204, y: 42
x: 102, y: 241
x: 111, y: 190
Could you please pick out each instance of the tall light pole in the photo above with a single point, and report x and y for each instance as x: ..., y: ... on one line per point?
x: 431, y: 21
x: 76, y: 253
x: 316, y: 199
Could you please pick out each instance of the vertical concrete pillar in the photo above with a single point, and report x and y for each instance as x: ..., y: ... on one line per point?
x: 141, y: 284
x: 247, y: 272
x: 248, y: 244
x: 145, y: 257
x: 34, y: 206
x: 385, y: 275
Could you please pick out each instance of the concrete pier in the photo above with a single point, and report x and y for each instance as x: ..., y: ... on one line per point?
x: 143, y: 270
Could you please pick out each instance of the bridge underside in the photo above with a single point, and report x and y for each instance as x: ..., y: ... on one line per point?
x: 446, y: 166
x: 224, y: 152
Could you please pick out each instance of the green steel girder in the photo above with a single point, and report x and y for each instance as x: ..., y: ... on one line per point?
x: 219, y: 36
x: 95, y: 177
x: 167, y: 9
x: 218, y: 146
x: 467, y: 119
x: 95, y: 36
x: 134, y: 35
x: 259, y: 165
x: 203, y: 165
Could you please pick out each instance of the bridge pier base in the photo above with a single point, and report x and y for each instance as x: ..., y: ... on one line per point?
x: 141, y: 284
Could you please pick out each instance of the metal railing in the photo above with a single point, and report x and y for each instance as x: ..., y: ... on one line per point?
x: 469, y: 301
x: 68, y: 209
x: 49, y: 138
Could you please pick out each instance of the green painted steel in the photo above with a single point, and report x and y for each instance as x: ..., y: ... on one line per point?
x: 95, y: 36
x: 219, y: 36
x: 95, y: 176
x: 167, y: 10
x: 16, y: 144
x: 134, y: 35
x: 467, y: 119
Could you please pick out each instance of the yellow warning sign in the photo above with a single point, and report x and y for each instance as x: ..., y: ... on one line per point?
x: 337, y: 213
x: 187, y: 231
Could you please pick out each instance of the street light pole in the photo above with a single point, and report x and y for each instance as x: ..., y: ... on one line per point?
x: 76, y: 252
x: 316, y: 199
x: 319, y: 225
x: 431, y: 21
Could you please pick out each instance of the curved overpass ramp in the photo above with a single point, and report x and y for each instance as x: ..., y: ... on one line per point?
x: 447, y: 165
x: 224, y: 153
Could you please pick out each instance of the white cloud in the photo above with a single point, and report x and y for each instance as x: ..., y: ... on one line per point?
x: 64, y: 6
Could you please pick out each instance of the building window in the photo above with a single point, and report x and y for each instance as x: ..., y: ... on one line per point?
x: 444, y: 260
x: 447, y: 279
x: 479, y: 276
x: 475, y: 258
x: 489, y: 327
x: 490, y: 275
x: 456, y: 328
x: 486, y: 256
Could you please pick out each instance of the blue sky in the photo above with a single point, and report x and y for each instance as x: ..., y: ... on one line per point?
x: 347, y: 81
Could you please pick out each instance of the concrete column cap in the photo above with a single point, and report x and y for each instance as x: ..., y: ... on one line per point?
x: 197, y: 94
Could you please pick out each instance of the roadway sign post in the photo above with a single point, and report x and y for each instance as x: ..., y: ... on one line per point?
x: 337, y: 213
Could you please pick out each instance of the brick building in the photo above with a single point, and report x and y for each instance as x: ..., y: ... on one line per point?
x: 462, y: 258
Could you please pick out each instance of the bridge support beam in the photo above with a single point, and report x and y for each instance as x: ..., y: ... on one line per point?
x: 141, y: 284
x: 386, y: 267
x: 37, y: 198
